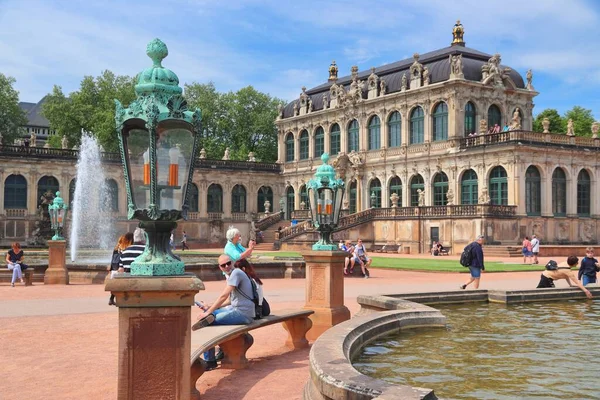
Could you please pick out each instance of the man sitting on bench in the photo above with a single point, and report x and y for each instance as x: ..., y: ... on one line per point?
x: 233, y: 307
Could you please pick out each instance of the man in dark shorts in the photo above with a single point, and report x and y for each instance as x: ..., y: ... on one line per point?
x: 477, y: 264
x: 556, y: 271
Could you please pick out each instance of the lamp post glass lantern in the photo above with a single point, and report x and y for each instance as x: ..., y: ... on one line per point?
x: 58, y: 214
x: 326, y: 194
x: 158, y: 140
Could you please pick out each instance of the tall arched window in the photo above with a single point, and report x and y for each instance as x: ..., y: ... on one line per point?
x: 375, y: 193
x: 533, y: 191
x: 559, y: 193
x: 417, y: 126
x: 319, y: 142
x: 47, y: 184
x: 304, y: 197
x: 238, y: 199
x: 72, y: 192
x: 416, y: 183
x: 264, y: 193
x: 289, y: 147
x: 374, y: 133
x: 352, y: 197
x: 214, y: 198
x: 494, y: 116
x: 335, y: 144
x: 583, y: 193
x: 469, y: 188
x: 396, y: 187
x: 395, y: 130
x: 440, y: 121
x: 440, y: 188
x: 470, y: 118
x: 194, y: 198
x: 289, y: 202
x: 111, y: 203
x: 15, y: 192
x: 499, y: 186
x: 303, y: 145
x: 353, y: 136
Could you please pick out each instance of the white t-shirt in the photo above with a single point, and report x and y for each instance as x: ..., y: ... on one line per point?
x: 535, y: 245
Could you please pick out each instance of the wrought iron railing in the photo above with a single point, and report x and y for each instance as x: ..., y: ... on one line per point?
x: 269, y: 221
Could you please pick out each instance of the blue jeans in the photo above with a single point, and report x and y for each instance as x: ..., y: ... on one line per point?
x: 585, y: 279
x: 16, y: 271
x: 475, y: 272
x: 226, y: 316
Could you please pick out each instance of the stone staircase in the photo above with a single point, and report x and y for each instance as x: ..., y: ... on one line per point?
x: 269, y: 236
x: 502, y: 251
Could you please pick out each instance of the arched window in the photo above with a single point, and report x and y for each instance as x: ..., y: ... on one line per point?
x: 417, y: 127
x: 374, y: 133
x: 319, y: 142
x: 395, y: 130
x: 46, y: 184
x: 559, y: 193
x: 440, y: 188
x: 396, y: 187
x: 375, y: 193
x: 111, y: 203
x: 583, y: 193
x: 416, y: 183
x: 440, y: 122
x: 238, y: 199
x: 469, y: 188
x: 264, y: 193
x: 214, y: 198
x: 194, y: 198
x: 289, y: 147
x: 15, y: 192
x: 499, y: 186
x: 303, y: 145
x: 494, y: 116
x: 533, y: 191
x: 353, y: 136
x: 304, y: 197
x: 470, y: 117
x: 72, y: 192
x: 352, y: 197
x: 289, y: 202
x: 335, y: 145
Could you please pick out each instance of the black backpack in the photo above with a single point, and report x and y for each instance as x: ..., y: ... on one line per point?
x: 467, y: 255
x: 260, y: 310
x: 551, y: 265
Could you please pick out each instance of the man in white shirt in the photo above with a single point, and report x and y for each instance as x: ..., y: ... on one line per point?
x: 535, y: 248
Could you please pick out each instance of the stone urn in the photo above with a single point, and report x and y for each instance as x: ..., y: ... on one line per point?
x: 302, y: 205
x: 394, y: 198
x: 546, y: 125
x: 267, y: 205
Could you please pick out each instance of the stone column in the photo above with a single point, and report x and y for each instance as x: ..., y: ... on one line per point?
x: 343, y: 137
x: 325, y: 290
x: 154, y: 335
x: 281, y: 146
x: 327, y: 141
x: 547, y: 192
x: 57, y: 273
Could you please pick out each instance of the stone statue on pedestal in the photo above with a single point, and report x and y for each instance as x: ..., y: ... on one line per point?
x: 226, y: 155
x: 202, y: 154
x: 32, y: 140
x: 529, y: 79
x: 64, y: 143
x: 421, y: 197
x: 595, y: 128
x: 267, y: 205
x: 484, y: 197
x: 450, y: 197
x: 570, y: 128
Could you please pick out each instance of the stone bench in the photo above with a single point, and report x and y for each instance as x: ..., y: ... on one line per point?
x: 235, y: 341
x: 6, y: 275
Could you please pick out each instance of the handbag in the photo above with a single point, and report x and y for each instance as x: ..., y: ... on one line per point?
x: 265, y: 308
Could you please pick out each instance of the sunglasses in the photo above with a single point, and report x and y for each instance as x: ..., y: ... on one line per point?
x: 227, y: 264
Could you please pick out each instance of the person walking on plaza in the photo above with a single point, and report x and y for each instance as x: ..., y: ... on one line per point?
x: 535, y: 248
x: 133, y: 251
x: 588, y: 268
x: 527, y: 254
x: 14, y: 259
x: 554, y: 272
x: 184, y: 242
x: 477, y: 264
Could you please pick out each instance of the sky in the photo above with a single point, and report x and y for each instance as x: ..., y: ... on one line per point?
x: 278, y: 46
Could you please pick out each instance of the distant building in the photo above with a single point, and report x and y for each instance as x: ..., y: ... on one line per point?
x: 36, y: 122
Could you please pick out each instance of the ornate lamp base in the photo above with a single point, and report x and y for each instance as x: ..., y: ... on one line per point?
x: 157, y: 259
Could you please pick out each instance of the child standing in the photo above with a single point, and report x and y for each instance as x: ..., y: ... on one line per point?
x: 589, y: 267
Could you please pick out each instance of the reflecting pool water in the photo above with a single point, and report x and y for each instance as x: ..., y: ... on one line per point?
x: 493, y: 351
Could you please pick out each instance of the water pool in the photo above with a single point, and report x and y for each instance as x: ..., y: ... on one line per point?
x: 494, y: 351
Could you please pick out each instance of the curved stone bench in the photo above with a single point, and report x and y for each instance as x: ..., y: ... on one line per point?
x: 332, y: 375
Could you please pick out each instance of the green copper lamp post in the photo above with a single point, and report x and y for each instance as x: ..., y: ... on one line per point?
x: 158, y: 139
x: 58, y: 214
x: 325, y: 193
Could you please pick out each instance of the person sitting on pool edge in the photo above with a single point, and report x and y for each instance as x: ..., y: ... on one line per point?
x: 556, y: 271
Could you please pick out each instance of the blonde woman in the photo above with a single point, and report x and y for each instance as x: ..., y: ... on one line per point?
x: 14, y: 259
x: 124, y: 241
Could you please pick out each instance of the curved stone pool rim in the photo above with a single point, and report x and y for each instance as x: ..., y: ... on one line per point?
x: 332, y: 376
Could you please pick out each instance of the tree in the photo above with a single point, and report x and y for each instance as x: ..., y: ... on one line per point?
x: 582, y: 121
x: 556, y: 123
x: 91, y: 109
x: 12, y: 117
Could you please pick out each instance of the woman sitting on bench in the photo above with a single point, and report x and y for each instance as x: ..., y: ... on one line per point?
x: 14, y: 258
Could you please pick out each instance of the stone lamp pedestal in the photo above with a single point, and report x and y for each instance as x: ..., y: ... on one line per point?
x: 154, y: 335
x: 325, y: 290
x: 57, y: 273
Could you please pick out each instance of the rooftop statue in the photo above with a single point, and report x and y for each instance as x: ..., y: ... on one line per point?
x: 333, y: 71
x: 529, y: 79
x: 458, y: 33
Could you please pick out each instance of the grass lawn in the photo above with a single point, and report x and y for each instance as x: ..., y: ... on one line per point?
x: 436, y: 264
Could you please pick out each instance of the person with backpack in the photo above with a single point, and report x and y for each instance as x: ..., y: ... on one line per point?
x: 588, y: 268
x: 554, y: 272
x: 472, y: 258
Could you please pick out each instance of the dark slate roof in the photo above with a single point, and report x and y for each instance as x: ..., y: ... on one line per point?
x: 34, y: 113
x: 436, y: 61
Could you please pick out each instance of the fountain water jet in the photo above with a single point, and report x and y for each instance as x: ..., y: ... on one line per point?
x: 92, y: 226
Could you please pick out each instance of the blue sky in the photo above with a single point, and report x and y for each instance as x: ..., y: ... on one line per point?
x: 279, y: 46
